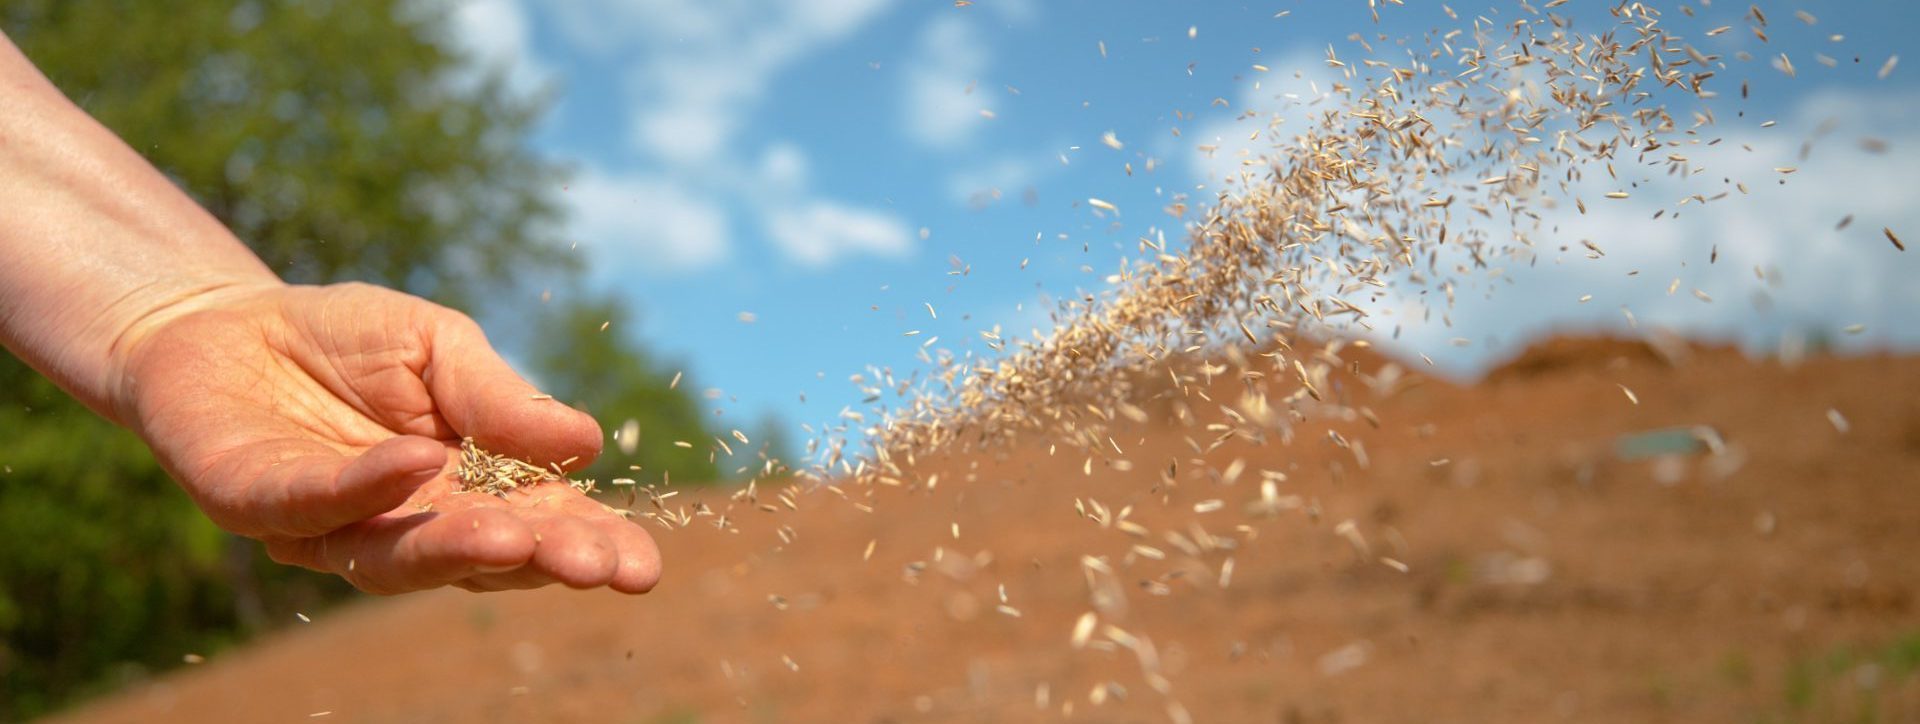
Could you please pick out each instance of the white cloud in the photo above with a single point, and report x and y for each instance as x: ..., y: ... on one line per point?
x: 1820, y: 280
x: 819, y: 231
x: 941, y: 105
x: 993, y: 179
x: 699, y: 68
x: 832, y: 19
x: 687, y: 135
x: 496, y: 34
x: 816, y: 232
x: 784, y: 169
x: 699, y: 72
x: 1014, y: 12
x: 647, y: 219
x: 1299, y: 85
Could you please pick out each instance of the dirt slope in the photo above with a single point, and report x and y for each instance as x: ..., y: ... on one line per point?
x: 1548, y: 579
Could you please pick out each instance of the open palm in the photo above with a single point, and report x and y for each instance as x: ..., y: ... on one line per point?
x: 325, y: 421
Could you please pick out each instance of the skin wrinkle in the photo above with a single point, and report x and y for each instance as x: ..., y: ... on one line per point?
x: 409, y: 407
x: 410, y: 410
x: 307, y: 405
x: 274, y: 383
x: 213, y: 455
x: 345, y: 383
x: 316, y: 392
x: 231, y: 499
x: 292, y: 465
x: 171, y: 306
x: 119, y: 341
x: 280, y: 398
x: 248, y: 494
x: 326, y: 558
x: 329, y: 343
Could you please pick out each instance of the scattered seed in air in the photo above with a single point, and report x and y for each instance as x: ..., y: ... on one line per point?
x: 1359, y: 195
x: 1838, y: 421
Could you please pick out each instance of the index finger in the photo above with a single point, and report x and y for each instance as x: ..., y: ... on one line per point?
x: 482, y: 397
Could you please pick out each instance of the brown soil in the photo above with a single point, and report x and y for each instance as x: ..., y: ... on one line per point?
x: 1549, y: 579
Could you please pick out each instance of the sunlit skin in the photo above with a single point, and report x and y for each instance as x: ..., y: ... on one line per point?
x: 325, y: 421
x: 322, y: 421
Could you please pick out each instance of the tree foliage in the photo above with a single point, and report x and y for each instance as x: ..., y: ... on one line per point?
x: 109, y: 570
x: 584, y: 356
x: 342, y: 140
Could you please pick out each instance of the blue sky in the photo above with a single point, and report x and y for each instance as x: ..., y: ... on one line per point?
x: 829, y: 169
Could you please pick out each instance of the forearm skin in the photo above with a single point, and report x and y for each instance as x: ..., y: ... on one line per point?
x: 96, y: 245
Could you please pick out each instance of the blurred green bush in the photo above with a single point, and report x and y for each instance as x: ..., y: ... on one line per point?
x: 109, y: 570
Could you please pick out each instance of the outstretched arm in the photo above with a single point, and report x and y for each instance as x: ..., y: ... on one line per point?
x: 100, y: 248
x: 321, y: 420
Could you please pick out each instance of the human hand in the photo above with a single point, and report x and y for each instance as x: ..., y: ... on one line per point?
x: 325, y: 422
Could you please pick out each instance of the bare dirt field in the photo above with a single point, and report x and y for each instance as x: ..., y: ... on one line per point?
x: 1549, y: 576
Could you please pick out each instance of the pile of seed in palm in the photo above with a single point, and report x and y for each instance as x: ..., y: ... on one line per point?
x: 1425, y: 162
x: 485, y: 472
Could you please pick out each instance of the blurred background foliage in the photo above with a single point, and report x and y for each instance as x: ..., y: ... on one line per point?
x: 601, y: 373
x: 343, y: 140
x: 581, y: 356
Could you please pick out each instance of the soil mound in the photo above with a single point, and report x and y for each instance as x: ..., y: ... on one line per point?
x: 1481, y: 553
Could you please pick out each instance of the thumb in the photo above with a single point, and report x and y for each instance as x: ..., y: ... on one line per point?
x: 481, y: 397
x: 294, y: 487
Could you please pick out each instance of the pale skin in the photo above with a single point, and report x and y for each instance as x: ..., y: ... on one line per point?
x: 322, y: 421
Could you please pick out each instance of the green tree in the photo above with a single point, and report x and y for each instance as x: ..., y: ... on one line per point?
x: 343, y: 140
x: 586, y: 356
x: 110, y: 571
x: 771, y: 443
